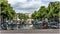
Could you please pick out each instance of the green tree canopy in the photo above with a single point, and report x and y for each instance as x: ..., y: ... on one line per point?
x: 52, y: 11
x: 6, y: 9
x: 23, y: 16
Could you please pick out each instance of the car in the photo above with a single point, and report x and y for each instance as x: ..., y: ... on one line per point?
x: 59, y: 25
x: 53, y: 25
x: 37, y: 25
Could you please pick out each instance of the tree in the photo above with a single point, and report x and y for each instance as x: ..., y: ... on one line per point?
x: 40, y: 13
x: 52, y: 11
x: 23, y: 16
x: 6, y: 10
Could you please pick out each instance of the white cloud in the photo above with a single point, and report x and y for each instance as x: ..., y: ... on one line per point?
x: 30, y: 4
x: 14, y: 1
x: 51, y: 0
x: 24, y: 6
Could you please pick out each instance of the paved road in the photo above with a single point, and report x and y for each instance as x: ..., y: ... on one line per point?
x: 29, y: 33
x: 42, y: 31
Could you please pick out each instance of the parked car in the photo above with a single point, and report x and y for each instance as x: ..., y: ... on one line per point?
x: 53, y: 25
x: 59, y: 25
x: 37, y: 25
x: 3, y: 26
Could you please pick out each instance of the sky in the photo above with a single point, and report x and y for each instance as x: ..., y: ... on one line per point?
x: 28, y: 6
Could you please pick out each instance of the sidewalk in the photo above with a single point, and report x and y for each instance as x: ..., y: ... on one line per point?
x: 32, y: 31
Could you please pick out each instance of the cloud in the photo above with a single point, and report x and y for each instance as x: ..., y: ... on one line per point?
x: 28, y: 6
x: 14, y: 1
x: 50, y: 0
x: 25, y: 5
